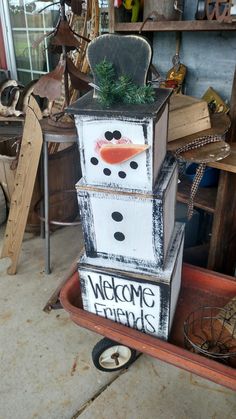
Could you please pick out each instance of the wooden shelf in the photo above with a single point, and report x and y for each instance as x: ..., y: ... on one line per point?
x: 205, y: 198
x: 228, y: 163
x: 175, y: 25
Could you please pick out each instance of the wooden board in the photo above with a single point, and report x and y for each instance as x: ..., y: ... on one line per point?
x: 208, y: 153
x: 205, y: 198
x: 119, y: 51
x: 7, y: 175
x: 222, y: 255
x: 219, y: 126
x: 187, y: 116
x: 228, y: 163
x: 23, y: 187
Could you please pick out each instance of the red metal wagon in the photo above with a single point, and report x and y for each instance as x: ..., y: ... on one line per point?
x: 200, y: 287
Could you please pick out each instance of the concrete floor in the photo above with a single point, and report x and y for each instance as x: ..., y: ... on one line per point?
x: 45, y: 366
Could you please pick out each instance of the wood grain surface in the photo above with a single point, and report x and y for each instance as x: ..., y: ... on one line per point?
x: 23, y: 187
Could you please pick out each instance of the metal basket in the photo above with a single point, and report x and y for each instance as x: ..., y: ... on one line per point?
x: 207, y: 332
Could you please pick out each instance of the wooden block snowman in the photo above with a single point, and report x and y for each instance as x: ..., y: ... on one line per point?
x: 130, y: 271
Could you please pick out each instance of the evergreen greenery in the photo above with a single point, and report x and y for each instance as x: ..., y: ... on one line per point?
x: 121, y: 90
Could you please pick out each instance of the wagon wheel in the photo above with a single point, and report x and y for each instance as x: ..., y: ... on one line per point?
x: 109, y: 356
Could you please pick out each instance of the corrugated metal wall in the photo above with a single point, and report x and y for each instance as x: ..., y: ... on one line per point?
x: 210, y: 57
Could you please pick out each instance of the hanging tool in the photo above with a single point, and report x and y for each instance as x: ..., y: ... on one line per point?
x: 176, y: 75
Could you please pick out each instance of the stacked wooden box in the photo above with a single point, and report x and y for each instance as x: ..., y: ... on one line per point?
x: 188, y: 115
x: 130, y: 271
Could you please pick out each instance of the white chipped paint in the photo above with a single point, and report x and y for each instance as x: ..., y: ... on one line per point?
x: 132, y: 303
x: 145, y: 219
x: 169, y: 210
x: 156, y: 273
x: 176, y: 283
x: 92, y: 129
x: 160, y: 141
x: 135, y: 228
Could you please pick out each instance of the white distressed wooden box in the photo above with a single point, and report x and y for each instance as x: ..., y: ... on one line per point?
x: 128, y: 226
x: 123, y: 131
x: 145, y: 302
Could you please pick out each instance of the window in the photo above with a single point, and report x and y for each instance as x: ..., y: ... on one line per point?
x: 28, y: 24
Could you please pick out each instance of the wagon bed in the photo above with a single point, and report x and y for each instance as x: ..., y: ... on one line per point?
x: 200, y: 287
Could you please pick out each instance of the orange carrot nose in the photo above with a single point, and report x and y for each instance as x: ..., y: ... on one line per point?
x: 119, y: 153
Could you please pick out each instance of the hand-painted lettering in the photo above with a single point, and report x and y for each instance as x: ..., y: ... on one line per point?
x: 135, y: 294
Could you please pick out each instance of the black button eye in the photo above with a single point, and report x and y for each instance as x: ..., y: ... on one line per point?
x: 133, y: 165
x: 107, y: 172
x: 117, y: 216
x: 119, y: 236
x: 117, y: 135
x: 108, y: 135
x: 94, y: 161
x: 122, y: 175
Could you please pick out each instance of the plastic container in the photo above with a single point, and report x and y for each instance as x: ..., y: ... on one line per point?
x: 210, y: 176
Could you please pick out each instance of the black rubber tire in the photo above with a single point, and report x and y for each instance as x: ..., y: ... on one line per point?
x: 105, y: 344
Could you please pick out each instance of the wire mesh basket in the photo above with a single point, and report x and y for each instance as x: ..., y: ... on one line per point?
x: 210, y: 331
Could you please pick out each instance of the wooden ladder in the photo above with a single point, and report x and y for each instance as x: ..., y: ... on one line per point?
x: 28, y: 162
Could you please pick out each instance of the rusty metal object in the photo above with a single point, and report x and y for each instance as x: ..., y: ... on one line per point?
x: 223, y: 10
x: 25, y: 93
x: 61, y: 120
x: 210, y: 9
x: 79, y: 80
x: 76, y: 6
x: 65, y: 36
x: 62, y: 34
x: 219, y: 10
x: 49, y: 85
x: 205, y: 333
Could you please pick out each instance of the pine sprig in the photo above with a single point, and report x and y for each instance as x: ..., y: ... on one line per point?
x: 106, y: 75
x: 121, y: 90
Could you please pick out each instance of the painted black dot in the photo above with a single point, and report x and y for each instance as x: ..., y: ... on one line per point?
x: 133, y: 165
x: 117, y: 216
x: 94, y: 161
x: 122, y: 175
x: 108, y: 135
x: 107, y: 172
x: 119, y: 236
x: 117, y: 135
